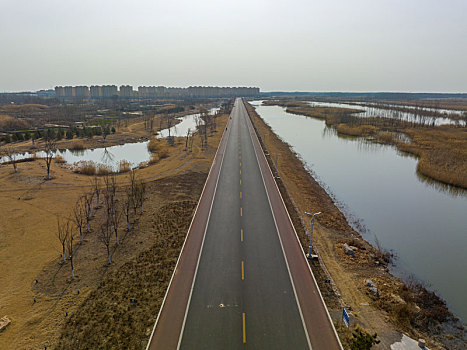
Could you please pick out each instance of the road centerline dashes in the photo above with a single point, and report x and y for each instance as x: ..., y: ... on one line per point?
x: 244, y: 328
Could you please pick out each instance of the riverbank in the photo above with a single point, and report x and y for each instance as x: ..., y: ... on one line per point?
x: 396, y: 306
x: 37, y: 292
x: 441, y: 150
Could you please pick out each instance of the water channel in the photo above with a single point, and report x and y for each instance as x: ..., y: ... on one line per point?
x: 423, y: 222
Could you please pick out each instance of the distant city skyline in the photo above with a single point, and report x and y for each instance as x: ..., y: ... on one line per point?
x: 276, y: 45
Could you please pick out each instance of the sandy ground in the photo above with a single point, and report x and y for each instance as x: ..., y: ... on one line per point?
x: 29, y: 248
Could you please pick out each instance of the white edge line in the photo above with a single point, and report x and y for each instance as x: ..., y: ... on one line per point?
x: 202, y: 244
x: 183, y: 246
x: 298, y: 240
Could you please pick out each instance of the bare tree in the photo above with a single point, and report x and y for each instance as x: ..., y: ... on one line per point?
x: 50, y: 146
x: 87, y: 205
x: 133, y: 192
x: 115, y: 216
x: 95, y: 188
x: 79, y: 217
x: 140, y: 192
x: 170, y: 139
x: 187, y: 138
x: 11, y: 155
x: 105, y: 236
x: 110, y: 193
x: 127, y: 204
x: 69, y: 244
x: 62, y: 235
x: 113, y: 213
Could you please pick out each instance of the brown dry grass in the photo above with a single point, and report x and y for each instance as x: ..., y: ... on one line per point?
x: 23, y: 108
x: 442, y: 153
x: 124, y: 166
x: 77, y: 145
x: 8, y: 122
x: 357, y: 130
x: 59, y: 159
x: 106, y: 316
x: 29, y: 247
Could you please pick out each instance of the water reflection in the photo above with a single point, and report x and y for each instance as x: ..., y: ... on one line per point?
x: 442, y: 187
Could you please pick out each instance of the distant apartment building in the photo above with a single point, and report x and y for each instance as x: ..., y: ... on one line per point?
x: 59, y: 92
x: 150, y: 92
x: 69, y: 91
x: 146, y: 91
x: 96, y: 91
x: 81, y: 92
x: 126, y: 91
x: 109, y: 91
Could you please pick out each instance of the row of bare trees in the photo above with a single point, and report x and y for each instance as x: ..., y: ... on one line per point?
x: 116, y: 201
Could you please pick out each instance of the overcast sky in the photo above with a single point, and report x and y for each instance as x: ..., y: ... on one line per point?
x: 288, y: 45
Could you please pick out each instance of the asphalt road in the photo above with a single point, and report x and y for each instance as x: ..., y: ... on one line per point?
x: 242, y: 280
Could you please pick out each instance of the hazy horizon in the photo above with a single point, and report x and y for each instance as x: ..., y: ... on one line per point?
x: 333, y: 46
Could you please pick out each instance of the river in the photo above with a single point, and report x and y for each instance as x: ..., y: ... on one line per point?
x: 423, y: 222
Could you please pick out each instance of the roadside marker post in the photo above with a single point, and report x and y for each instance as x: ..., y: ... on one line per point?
x: 276, y: 172
x: 311, y: 233
x: 345, y: 317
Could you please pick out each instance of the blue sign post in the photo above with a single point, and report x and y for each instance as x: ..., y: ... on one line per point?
x: 345, y: 317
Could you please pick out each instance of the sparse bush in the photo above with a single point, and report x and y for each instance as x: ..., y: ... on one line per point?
x: 154, y: 159
x: 85, y: 167
x: 158, y: 148
x: 124, y: 166
x: 77, y: 145
x: 153, y: 145
x: 59, y: 159
x: 104, y: 169
x: 363, y: 340
x: 163, y: 153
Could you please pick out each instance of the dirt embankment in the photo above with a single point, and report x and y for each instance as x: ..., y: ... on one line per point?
x: 442, y: 150
x: 342, y: 277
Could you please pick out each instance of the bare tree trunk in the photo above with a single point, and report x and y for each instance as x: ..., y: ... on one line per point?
x: 62, y: 234
x: 109, y: 258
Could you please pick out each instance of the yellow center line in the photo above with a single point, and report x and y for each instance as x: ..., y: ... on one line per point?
x: 243, y: 271
x: 241, y: 211
x: 240, y: 181
x: 241, y: 234
x: 240, y: 171
x: 240, y: 194
x: 244, y: 329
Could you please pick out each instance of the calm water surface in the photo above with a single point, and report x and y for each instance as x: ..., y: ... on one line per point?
x: 424, y: 224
